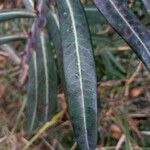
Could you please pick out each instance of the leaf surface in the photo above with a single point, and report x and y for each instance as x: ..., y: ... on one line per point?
x: 42, y: 87
x: 79, y: 70
x: 128, y: 26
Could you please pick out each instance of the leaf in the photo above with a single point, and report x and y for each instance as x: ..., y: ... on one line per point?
x: 12, y: 38
x: 128, y: 26
x: 79, y: 70
x: 15, y: 13
x: 147, y: 5
x: 42, y: 85
x: 53, y: 28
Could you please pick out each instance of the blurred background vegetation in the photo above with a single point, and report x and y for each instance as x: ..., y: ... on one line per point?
x: 123, y: 89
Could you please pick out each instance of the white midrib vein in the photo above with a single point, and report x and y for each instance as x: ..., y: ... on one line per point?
x: 78, y: 61
x: 129, y: 26
x: 46, y: 73
x: 36, y: 87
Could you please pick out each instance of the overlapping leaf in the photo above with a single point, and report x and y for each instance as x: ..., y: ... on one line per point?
x: 79, y: 70
x: 128, y: 26
x: 53, y: 28
x: 42, y: 87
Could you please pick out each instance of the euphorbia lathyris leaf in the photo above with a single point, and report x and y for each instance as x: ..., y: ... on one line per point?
x: 42, y: 88
x: 79, y: 70
x: 128, y: 26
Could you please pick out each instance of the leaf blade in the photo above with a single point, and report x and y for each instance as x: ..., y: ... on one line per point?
x: 128, y: 26
x: 78, y: 60
x: 42, y: 94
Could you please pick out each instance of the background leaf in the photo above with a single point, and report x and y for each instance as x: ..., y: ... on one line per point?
x: 79, y: 70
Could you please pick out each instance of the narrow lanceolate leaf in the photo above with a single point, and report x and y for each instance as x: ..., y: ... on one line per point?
x: 147, y: 5
x: 12, y: 38
x: 128, y: 26
x: 42, y: 85
x: 15, y: 13
x: 79, y: 70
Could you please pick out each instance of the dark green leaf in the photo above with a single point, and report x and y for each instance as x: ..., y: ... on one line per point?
x: 79, y: 70
x: 128, y: 26
x: 15, y: 13
x: 42, y: 87
x: 12, y: 38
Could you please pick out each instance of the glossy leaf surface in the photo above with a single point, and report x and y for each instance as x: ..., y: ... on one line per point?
x: 42, y: 88
x: 128, y: 26
x: 79, y: 70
